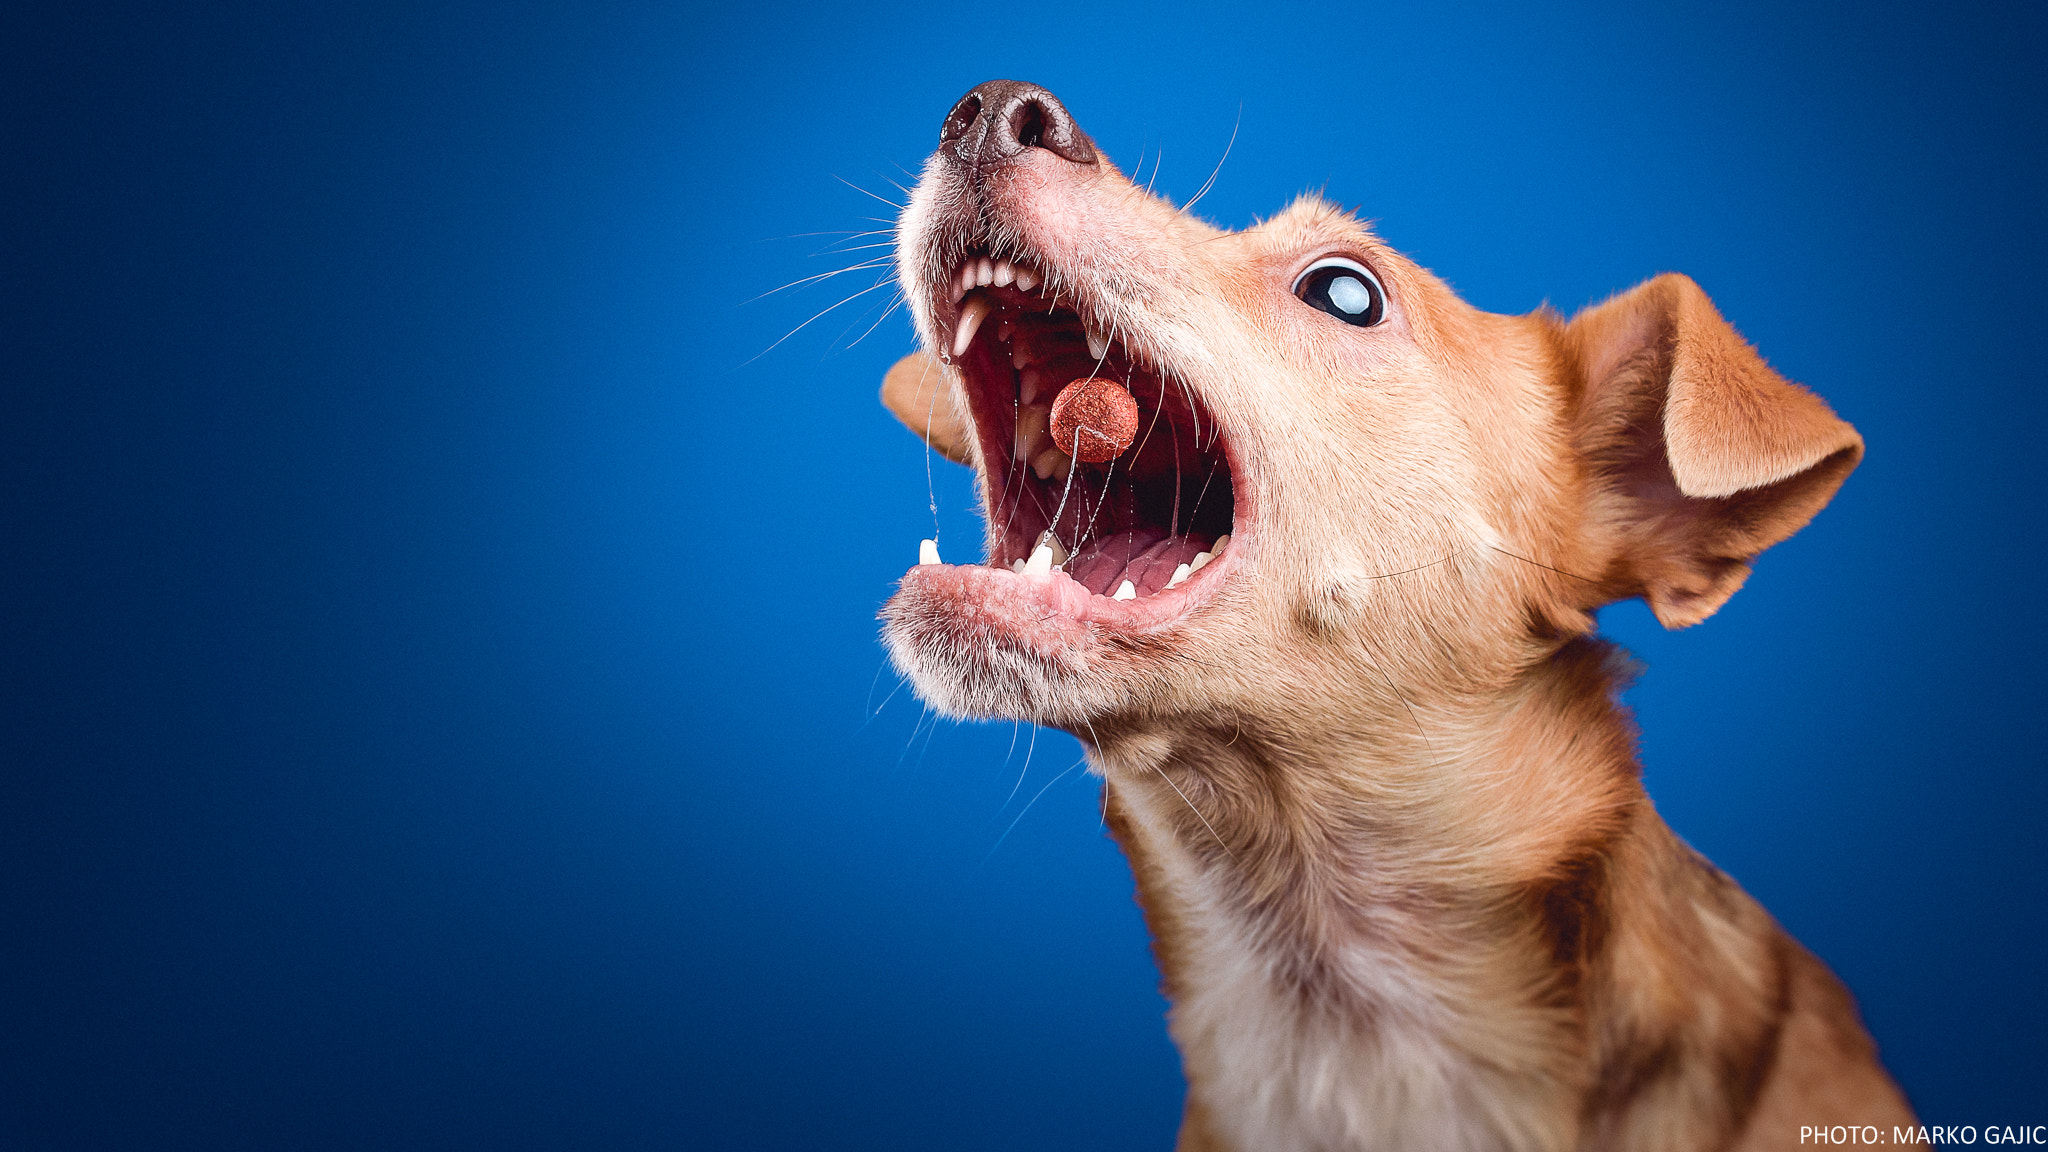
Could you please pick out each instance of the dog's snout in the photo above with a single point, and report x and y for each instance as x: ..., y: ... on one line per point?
x: 1004, y: 118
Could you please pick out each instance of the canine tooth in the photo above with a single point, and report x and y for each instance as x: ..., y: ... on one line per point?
x: 1017, y: 566
x: 1004, y: 273
x: 1180, y: 574
x: 984, y: 272
x: 1217, y: 547
x: 1040, y: 563
x: 927, y: 552
x: 1125, y: 591
x: 1200, y: 559
x: 1020, y: 355
x: 1097, y: 346
x: 1059, y: 551
x: 1026, y: 280
x: 972, y: 314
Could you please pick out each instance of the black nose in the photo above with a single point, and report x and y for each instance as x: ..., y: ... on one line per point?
x: 1002, y: 118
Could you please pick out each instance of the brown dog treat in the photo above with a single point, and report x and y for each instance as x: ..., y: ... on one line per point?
x: 1101, y: 413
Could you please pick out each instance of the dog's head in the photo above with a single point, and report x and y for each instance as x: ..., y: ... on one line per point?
x: 1413, y: 491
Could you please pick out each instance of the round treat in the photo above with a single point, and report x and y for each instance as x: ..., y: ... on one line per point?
x: 1103, y: 415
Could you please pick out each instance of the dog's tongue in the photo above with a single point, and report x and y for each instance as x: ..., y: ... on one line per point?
x: 1146, y: 557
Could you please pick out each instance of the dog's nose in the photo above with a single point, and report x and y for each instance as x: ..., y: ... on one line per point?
x: 1003, y: 118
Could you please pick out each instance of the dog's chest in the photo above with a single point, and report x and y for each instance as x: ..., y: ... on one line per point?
x: 1340, y: 1041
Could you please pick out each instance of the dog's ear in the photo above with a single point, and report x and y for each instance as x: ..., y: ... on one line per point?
x: 1701, y: 455
x: 917, y: 392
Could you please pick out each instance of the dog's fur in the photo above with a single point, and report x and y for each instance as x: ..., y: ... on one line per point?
x: 1371, y: 772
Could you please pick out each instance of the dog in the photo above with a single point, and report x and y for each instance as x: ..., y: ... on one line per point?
x: 1325, y: 631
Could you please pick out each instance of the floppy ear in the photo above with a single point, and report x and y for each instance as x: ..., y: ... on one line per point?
x: 917, y: 392
x: 1701, y: 455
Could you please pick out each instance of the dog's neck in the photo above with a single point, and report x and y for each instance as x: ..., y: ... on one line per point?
x: 1401, y: 931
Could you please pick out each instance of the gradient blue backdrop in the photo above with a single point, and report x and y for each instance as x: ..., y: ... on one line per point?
x: 440, y: 678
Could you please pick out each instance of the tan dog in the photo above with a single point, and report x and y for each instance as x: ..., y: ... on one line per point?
x: 1325, y: 631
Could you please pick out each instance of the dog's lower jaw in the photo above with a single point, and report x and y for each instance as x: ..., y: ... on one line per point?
x: 1372, y: 943
x: 971, y: 658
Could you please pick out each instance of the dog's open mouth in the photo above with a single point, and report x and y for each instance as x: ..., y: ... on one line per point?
x: 1138, y: 531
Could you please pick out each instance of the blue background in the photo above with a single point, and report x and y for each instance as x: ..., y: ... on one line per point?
x: 442, y: 705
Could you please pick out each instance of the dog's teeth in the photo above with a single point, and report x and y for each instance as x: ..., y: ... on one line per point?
x: 972, y: 314
x: 1032, y: 420
x: 1017, y: 566
x: 1052, y: 462
x: 927, y: 552
x: 1026, y: 280
x: 1180, y: 574
x: 1004, y: 273
x: 1040, y: 563
x: 984, y: 272
x: 1031, y: 384
x: 1125, y: 591
x: 1059, y: 551
x: 1200, y: 559
x: 1097, y: 346
x: 1216, y: 549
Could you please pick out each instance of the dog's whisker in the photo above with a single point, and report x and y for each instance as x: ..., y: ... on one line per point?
x: 898, y: 302
x: 867, y: 713
x: 842, y: 233
x: 817, y: 316
x: 841, y: 343
x: 1540, y: 564
x: 1015, y: 726
x: 931, y: 490
x: 1027, y: 809
x: 1069, y: 486
x: 864, y: 266
x: 1211, y: 181
x: 1198, y: 813
x: 1029, y: 748
x: 1375, y: 665
x: 1452, y: 555
x: 1173, y: 522
x: 1206, y: 481
x: 1193, y: 409
x: 865, y: 192
x: 842, y: 249
x: 923, y: 715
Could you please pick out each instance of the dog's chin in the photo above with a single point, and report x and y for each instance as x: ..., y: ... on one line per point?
x: 981, y: 643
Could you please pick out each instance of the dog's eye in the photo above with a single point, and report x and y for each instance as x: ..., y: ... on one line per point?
x: 1344, y: 289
